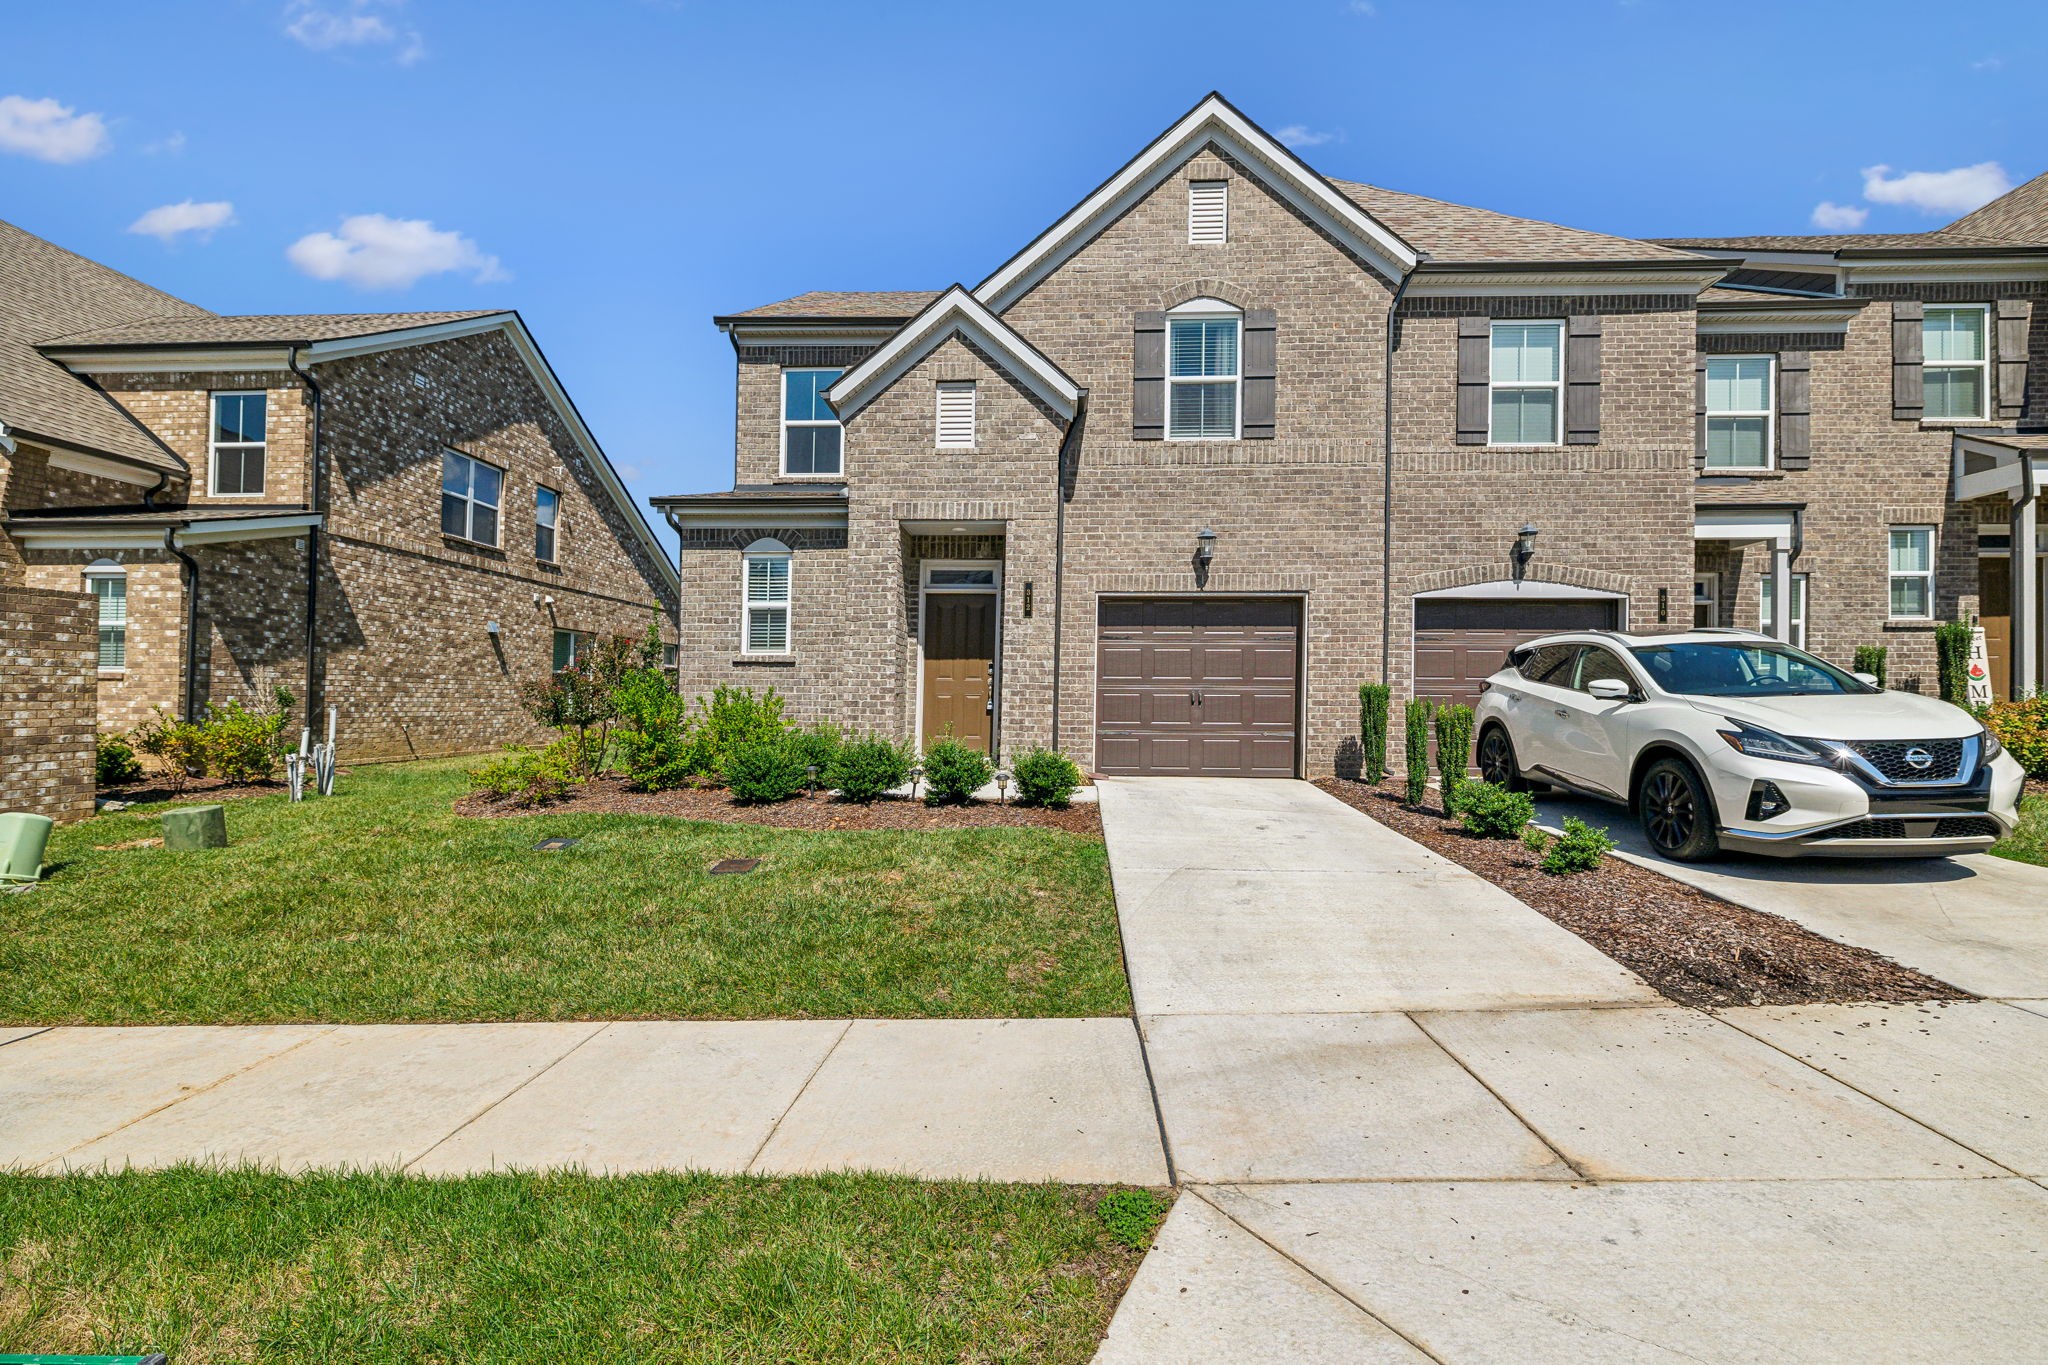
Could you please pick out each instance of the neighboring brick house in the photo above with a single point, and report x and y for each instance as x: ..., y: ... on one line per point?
x: 1141, y: 493
x: 418, y: 482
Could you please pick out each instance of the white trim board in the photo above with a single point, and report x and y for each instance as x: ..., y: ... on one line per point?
x: 1506, y: 589
x: 954, y: 313
x: 1211, y: 123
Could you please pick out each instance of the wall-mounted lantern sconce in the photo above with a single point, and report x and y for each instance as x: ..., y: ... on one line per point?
x: 1205, y: 547
x: 1525, y: 549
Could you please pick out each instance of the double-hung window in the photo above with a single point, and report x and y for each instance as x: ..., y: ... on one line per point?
x: 1912, y: 573
x: 1527, y: 375
x: 547, y: 515
x: 1796, y: 636
x: 569, y: 647
x: 766, y: 628
x: 236, y: 447
x: 1202, y: 376
x: 471, y: 492
x: 1739, y: 412
x: 1955, y: 362
x: 810, y: 429
x: 108, y: 583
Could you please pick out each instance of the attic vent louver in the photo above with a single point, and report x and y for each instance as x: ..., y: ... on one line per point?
x: 956, y: 415
x: 1208, y: 210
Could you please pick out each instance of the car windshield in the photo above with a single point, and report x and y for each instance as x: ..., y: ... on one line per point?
x: 1713, y: 668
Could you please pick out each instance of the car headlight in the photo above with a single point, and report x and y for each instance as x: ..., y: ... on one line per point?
x: 1992, y: 748
x: 1758, y: 742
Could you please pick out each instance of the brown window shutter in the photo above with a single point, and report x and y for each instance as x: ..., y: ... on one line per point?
x: 1582, y: 380
x: 1475, y: 358
x: 1148, y: 377
x: 1795, y: 409
x: 1699, y: 413
x: 2011, y: 342
x: 1908, y: 395
x: 1261, y: 370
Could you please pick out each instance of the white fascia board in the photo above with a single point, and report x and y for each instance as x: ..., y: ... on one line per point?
x: 32, y: 537
x: 174, y: 359
x: 1986, y: 269
x: 1816, y: 262
x: 1506, y: 589
x: 100, y: 467
x: 1212, y: 121
x: 543, y: 375
x: 813, y: 335
x: 955, y: 312
x: 246, y: 528
x: 1743, y: 524
x: 1565, y: 281
x: 746, y: 516
x: 1767, y: 319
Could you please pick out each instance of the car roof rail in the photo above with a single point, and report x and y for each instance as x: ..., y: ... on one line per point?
x: 1729, y: 630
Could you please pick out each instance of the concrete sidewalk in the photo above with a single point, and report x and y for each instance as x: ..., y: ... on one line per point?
x: 1005, y: 1099
x: 1412, y: 1125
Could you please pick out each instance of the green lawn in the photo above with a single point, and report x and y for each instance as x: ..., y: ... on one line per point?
x: 380, y: 904
x: 2028, y: 843
x: 368, y: 1269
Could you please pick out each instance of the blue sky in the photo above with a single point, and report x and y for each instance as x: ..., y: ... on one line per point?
x: 620, y: 170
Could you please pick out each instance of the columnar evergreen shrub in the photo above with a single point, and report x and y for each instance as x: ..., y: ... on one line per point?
x: 1417, y: 750
x: 1579, y: 849
x: 1871, y: 659
x: 1453, y: 749
x: 1045, y: 777
x: 1494, y: 812
x: 953, y: 772
x: 1374, y: 700
x: 764, y: 770
x: 653, y: 738
x: 1952, y: 655
x: 866, y: 769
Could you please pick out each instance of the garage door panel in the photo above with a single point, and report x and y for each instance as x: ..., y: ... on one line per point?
x: 1198, y: 686
x: 1461, y: 642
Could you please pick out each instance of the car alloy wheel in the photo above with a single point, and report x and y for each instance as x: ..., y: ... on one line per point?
x: 1670, y: 815
x: 1497, y: 758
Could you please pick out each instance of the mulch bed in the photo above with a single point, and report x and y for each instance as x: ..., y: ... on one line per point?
x: 155, y: 788
x: 1693, y: 948
x: 611, y: 796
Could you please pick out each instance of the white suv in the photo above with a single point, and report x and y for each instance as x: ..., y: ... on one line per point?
x: 1726, y: 739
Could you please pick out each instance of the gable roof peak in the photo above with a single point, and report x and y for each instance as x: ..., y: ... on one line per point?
x: 955, y: 312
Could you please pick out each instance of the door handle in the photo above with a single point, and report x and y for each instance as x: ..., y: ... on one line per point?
x: 1563, y: 713
x: 1195, y: 695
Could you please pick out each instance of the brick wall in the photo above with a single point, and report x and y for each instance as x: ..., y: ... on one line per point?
x: 49, y: 644
x: 177, y: 407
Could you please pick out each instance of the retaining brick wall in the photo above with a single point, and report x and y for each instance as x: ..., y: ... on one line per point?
x: 49, y: 649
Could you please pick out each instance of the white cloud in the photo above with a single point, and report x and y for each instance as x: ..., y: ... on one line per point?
x: 373, y: 251
x: 1987, y: 64
x: 353, y: 23
x: 1301, y: 135
x: 1364, y: 7
x: 172, y: 145
x: 1937, y: 192
x: 1833, y: 217
x: 49, y: 131
x: 168, y: 222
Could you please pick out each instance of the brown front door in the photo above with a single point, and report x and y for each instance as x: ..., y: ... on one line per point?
x: 959, y: 667
x: 1460, y: 642
x: 1994, y: 613
x: 1197, y: 687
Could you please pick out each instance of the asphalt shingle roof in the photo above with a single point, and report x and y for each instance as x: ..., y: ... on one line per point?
x: 1840, y: 241
x: 883, y: 305
x: 258, y: 328
x: 2019, y: 216
x: 1458, y: 233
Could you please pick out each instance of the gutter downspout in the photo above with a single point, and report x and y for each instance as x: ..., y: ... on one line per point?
x: 313, y: 504
x: 188, y: 703
x: 1387, y: 488
x: 1068, y: 442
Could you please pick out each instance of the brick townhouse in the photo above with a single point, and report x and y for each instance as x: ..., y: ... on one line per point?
x: 401, y: 515
x: 1230, y: 438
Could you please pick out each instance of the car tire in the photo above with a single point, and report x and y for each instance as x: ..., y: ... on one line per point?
x: 1497, y: 761
x: 1677, y: 812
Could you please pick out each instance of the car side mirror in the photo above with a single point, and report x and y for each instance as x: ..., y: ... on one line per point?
x: 1867, y: 679
x: 1609, y: 689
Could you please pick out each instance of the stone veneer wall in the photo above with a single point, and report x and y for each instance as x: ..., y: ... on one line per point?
x: 49, y: 648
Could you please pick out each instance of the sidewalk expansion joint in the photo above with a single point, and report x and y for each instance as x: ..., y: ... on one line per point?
x: 775, y: 1127
x: 435, y: 1145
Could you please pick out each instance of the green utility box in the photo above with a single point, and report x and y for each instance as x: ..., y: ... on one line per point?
x: 22, y: 841
x: 194, y: 827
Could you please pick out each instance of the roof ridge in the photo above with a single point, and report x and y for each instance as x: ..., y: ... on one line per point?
x: 106, y: 269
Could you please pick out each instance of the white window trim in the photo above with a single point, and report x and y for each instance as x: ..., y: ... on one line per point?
x: 1933, y: 548
x: 1769, y: 412
x: 474, y: 502
x: 782, y: 413
x: 214, y: 447
x: 1223, y: 236
x: 1207, y: 310
x: 107, y: 568
x: 945, y: 386
x: 1982, y: 364
x: 1802, y: 602
x: 768, y: 550
x: 1556, y: 385
x: 925, y: 591
x: 1710, y: 599
x: 555, y: 526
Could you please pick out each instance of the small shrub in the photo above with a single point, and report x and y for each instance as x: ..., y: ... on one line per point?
x: 865, y: 770
x: 113, y: 762
x: 1131, y: 1216
x: 1535, y: 840
x: 173, y: 743
x: 1417, y: 750
x: 1952, y: 653
x: 729, y: 719
x: 953, y: 772
x: 240, y: 745
x: 1494, y: 812
x: 653, y: 740
x: 1579, y: 849
x: 1870, y: 659
x: 819, y: 745
x: 1374, y: 699
x: 1045, y: 777
x: 578, y: 701
x: 2022, y: 727
x: 1453, y: 750
x: 764, y: 771
x: 530, y: 777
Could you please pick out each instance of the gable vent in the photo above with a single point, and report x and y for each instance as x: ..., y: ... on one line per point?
x: 1208, y: 210
x: 956, y: 415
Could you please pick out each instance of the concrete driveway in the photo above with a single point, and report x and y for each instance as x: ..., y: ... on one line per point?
x: 1977, y: 922
x: 1410, y: 1124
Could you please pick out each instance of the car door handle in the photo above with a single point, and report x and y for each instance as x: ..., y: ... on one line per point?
x: 1562, y: 713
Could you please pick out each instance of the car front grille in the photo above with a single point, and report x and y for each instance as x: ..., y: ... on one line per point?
x: 1948, y: 827
x: 1888, y: 756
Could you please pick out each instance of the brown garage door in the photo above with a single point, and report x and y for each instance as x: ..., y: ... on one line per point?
x: 1462, y: 641
x: 1197, y: 687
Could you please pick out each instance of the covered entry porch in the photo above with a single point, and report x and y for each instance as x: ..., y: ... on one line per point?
x: 1777, y: 529
x: 2009, y: 468
x: 953, y: 589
